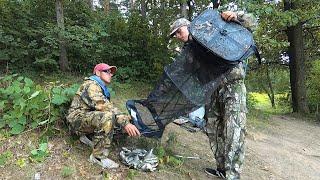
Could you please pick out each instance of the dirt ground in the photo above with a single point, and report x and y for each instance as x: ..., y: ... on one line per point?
x: 287, y: 148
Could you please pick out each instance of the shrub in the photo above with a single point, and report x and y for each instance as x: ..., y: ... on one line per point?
x: 25, y: 105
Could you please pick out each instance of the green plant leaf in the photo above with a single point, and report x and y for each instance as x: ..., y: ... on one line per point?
x: 28, y: 82
x: 17, y: 129
x: 56, y: 90
x: 43, y: 122
x: 34, y: 124
x: 2, y: 104
x: 58, y: 99
x: 21, y: 162
x: 12, y: 122
x: 2, y: 122
x: 4, y: 157
x: 22, y: 104
x: 19, y: 78
x: 22, y: 120
x: 26, y: 89
x: 43, y: 147
x: 34, y: 152
x: 34, y: 94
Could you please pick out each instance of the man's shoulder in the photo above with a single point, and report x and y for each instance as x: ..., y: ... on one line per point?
x: 89, y: 83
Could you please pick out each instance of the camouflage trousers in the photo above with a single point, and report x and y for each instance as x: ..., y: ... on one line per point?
x: 95, y: 124
x: 226, y: 120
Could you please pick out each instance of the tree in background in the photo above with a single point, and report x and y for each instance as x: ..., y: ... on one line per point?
x: 297, y: 61
x: 63, y: 59
x: 282, y: 24
x: 133, y: 35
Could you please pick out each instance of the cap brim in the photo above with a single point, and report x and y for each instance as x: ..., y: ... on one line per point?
x: 173, y: 32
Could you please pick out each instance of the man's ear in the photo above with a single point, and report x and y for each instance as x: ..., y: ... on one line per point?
x: 98, y: 73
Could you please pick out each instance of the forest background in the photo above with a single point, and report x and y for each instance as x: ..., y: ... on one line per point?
x: 47, y: 47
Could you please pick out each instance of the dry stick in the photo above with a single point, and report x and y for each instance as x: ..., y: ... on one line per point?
x: 187, y: 157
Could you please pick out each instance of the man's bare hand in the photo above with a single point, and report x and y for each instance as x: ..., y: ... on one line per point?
x: 132, y: 130
x: 229, y: 16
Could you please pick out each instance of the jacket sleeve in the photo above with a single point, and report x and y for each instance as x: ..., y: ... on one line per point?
x: 247, y: 19
x: 95, y: 99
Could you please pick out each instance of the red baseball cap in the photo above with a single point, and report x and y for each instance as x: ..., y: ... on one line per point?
x: 103, y: 67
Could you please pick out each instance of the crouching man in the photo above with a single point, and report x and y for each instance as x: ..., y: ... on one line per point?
x: 92, y: 115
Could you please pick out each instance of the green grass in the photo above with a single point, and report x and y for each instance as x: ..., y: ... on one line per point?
x: 261, y: 109
x: 67, y: 171
x: 262, y: 102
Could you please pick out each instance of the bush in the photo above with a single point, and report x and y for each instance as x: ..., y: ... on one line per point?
x: 25, y: 105
x: 251, y: 101
x: 313, y: 86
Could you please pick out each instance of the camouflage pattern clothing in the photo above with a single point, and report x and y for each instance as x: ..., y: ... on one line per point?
x: 92, y: 113
x: 226, y: 121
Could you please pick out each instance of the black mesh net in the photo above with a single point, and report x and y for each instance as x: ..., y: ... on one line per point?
x: 186, y: 84
x: 189, y: 82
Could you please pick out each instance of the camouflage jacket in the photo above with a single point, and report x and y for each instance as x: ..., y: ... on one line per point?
x: 89, y: 97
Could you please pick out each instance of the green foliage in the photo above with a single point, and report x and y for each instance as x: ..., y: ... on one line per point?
x: 67, y: 171
x: 91, y: 37
x: 26, y: 105
x: 131, y: 174
x: 283, y: 101
x: 269, y: 79
x: 166, y: 157
x: 4, y: 157
x: 173, y: 161
x: 171, y: 142
x: 21, y: 162
x: 160, y: 152
x: 137, y: 44
x: 40, y: 153
x: 165, y: 153
x: 260, y: 100
x: 251, y: 101
x: 314, y: 86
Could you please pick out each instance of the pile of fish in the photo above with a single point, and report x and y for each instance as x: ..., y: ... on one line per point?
x: 139, y: 159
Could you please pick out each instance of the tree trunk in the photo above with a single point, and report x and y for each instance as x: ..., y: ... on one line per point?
x: 106, y: 6
x: 271, y: 94
x: 297, y: 65
x: 143, y: 8
x: 190, y: 12
x: 63, y: 60
x: 183, y: 7
x: 268, y: 88
x: 90, y: 4
x: 132, y: 4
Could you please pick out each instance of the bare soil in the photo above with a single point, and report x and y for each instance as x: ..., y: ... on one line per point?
x: 287, y: 148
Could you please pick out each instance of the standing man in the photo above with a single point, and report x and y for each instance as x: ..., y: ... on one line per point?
x: 226, y: 115
x: 93, y: 115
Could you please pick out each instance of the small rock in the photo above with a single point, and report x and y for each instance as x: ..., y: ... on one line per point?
x: 37, y: 176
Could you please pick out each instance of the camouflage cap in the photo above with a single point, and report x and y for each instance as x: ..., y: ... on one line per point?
x: 177, y: 24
